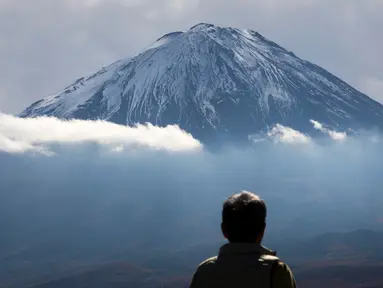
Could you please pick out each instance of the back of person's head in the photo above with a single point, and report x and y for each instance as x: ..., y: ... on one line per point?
x: 244, y: 218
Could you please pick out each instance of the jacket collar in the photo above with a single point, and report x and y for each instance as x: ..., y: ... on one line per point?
x: 244, y: 248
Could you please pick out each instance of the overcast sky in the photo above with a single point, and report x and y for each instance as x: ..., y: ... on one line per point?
x: 47, y: 44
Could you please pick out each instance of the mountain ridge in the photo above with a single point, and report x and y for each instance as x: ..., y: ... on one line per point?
x: 215, y: 82
x: 342, y: 258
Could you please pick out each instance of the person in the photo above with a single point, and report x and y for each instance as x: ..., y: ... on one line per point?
x: 243, y: 262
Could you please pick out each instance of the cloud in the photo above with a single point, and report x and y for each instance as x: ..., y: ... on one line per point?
x: 19, y: 135
x: 280, y: 133
x: 56, y: 206
x: 338, y: 136
x: 11, y: 146
x: 122, y: 199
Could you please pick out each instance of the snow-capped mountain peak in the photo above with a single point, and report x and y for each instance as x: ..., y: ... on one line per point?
x: 214, y: 81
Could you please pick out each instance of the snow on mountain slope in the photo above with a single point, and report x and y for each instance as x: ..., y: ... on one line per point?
x: 215, y: 82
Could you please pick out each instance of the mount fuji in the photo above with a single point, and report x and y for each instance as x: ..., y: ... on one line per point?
x: 215, y: 83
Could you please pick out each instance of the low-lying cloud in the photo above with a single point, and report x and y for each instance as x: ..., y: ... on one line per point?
x: 20, y: 135
x: 83, y: 205
x: 37, y: 135
x: 337, y: 136
x: 280, y: 133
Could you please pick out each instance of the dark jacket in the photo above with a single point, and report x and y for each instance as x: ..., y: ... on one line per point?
x: 242, y: 265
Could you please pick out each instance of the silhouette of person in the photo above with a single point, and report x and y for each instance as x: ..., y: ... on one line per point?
x: 243, y: 262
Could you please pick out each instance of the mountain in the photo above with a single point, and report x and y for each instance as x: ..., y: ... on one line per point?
x: 215, y: 83
x: 116, y: 275
x: 327, y: 260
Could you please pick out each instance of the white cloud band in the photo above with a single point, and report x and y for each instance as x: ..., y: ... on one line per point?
x: 19, y: 135
x: 337, y: 136
x: 280, y: 133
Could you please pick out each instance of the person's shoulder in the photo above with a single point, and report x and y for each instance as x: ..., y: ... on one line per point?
x: 282, y: 265
x: 208, y: 262
x: 282, y: 275
x: 269, y: 258
x: 204, y: 269
x: 206, y: 265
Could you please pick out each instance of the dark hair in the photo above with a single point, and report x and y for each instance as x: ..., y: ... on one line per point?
x: 243, y: 217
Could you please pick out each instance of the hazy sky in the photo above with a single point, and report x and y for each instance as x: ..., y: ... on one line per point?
x: 46, y: 44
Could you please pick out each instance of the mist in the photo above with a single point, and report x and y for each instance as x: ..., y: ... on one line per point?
x: 90, y: 200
